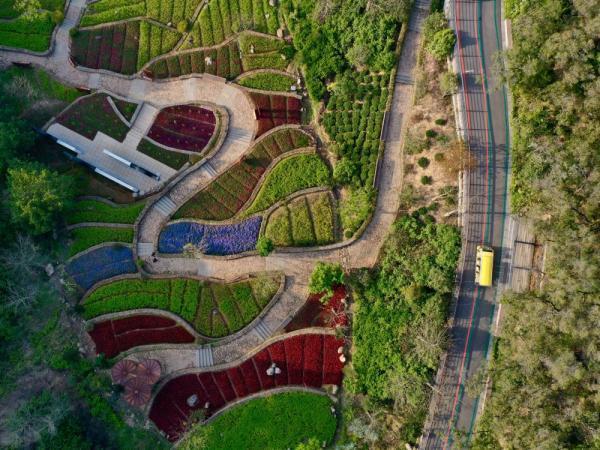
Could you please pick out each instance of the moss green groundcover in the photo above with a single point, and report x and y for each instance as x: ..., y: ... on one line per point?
x: 277, y: 422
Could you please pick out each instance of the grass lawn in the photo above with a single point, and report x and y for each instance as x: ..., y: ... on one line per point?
x: 290, y: 175
x: 277, y: 422
x: 86, y: 237
x: 213, y: 309
x: 172, y: 159
x: 268, y: 81
x: 97, y: 211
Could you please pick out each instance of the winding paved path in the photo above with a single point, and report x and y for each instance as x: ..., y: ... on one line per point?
x: 297, y: 266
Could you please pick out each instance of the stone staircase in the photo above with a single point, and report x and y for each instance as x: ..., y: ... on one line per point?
x: 402, y: 78
x: 165, y: 206
x: 263, y: 330
x: 144, y: 249
x: 205, y: 357
x: 240, y: 135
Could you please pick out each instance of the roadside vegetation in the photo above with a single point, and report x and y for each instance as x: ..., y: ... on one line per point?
x: 545, y: 362
x: 399, y: 332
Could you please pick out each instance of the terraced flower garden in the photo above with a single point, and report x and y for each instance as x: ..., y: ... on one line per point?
x: 124, y: 37
x: 92, y: 114
x: 296, y: 417
x: 306, y: 221
x: 99, y: 264
x: 305, y: 360
x: 228, y: 60
x: 213, y: 309
x: 267, y: 81
x: 273, y: 110
x: 226, y: 195
x: 210, y: 239
x: 29, y: 32
x: 183, y: 127
x: 114, y: 336
x: 86, y: 237
x: 89, y: 210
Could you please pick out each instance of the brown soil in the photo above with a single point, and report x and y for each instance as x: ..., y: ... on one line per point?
x: 430, y: 106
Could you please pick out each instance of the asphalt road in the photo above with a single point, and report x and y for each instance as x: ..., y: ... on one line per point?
x: 484, y: 119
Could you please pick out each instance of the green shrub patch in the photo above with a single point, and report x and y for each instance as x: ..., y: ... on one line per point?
x: 213, y: 309
x: 305, y: 221
x: 226, y: 195
x: 353, y: 120
x: 86, y: 237
x: 290, y: 175
x: 104, y: 11
x: 97, y: 211
x: 127, y: 109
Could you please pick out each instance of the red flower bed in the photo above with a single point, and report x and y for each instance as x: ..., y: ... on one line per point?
x: 294, y: 354
x: 115, y: 336
x: 183, y: 127
x: 316, y: 314
x: 312, y: 374
x: 313, y: 355
x: 250, y: 376
x: 111, y: 47
x: 273, y: 110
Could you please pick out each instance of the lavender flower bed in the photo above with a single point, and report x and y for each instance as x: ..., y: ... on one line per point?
x: 99, y: 264
x: 211, y: 239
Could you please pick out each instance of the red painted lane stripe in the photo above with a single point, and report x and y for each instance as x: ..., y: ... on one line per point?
x: 464, y: 355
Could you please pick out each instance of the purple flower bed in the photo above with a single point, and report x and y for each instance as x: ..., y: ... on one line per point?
x: 212, y: 239
x: 99, y: 264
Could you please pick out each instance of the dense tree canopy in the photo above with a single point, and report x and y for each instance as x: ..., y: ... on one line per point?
x: 547, y: 361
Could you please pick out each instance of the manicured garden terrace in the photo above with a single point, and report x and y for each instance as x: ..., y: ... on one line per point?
x: 115, y: 336
x: 220, y: 19
x: 273, y: 110
x: 291, y: 174
x: 279, y: 421
x: 173, y: 159
x: 212, y: 309
x: 183, y: 127
x: 305, y: 221
x: 90, y: 210
x: 226, y: 195
x: 92, y: 114
x: 268, y: 81
x: 310, y: 360
x: 86, y: 237
x: 99, y: 264
x: 210, y: 239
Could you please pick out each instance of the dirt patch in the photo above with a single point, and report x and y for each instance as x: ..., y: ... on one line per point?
x: 431, y: 134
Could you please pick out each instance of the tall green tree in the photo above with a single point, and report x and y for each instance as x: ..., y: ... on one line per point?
x: 37, y: 196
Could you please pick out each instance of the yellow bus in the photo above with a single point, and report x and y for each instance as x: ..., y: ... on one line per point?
x: 484, y: 267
